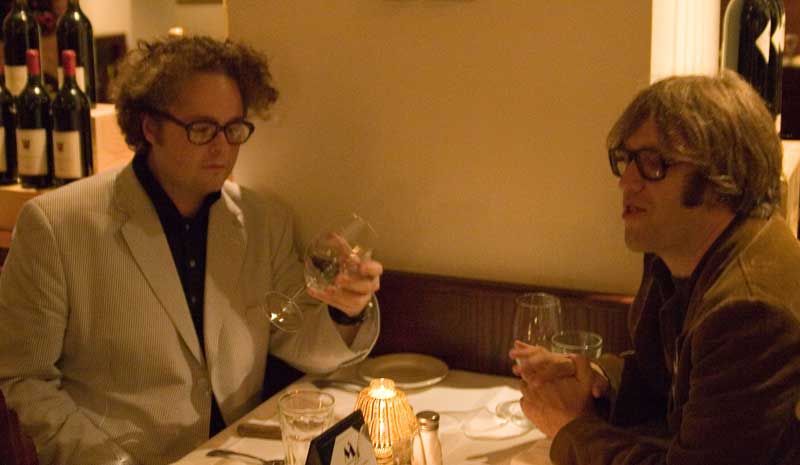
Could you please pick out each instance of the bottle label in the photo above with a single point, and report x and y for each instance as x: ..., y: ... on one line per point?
x: 80, y: 77
x: 762, y: 42
x: 3, y: 165
x: 16, y: 78
x: 32, y: 152
x: 67, y: 154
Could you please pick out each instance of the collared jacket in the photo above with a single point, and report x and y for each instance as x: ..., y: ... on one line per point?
x: 717, y: 384
x: 98, y: 352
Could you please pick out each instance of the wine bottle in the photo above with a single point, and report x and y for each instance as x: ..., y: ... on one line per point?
x: 74, y: 32
x: 746, y: 39
x: 34, y: 129
x: 8, y: 142
x: 72, y: 131
x: 20, y: 33
x: 775, y: 65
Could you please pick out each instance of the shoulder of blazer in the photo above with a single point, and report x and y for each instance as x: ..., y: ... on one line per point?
x: 764, y: 266
x: 82, y: 196
x: 252, y: 204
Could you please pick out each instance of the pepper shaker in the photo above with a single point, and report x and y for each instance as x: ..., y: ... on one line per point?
x: 427, y: 450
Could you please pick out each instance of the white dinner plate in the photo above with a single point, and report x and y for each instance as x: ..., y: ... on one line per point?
x: 409, y: 371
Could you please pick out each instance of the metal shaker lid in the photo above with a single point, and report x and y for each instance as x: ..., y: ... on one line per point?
x: 428, y: 419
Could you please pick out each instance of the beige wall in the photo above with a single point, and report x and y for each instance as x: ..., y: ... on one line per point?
x: 142, y: 19
x: 108, y: 17
x: 471, y: 133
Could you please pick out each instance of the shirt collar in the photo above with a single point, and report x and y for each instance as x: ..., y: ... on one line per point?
x: 164, y: 205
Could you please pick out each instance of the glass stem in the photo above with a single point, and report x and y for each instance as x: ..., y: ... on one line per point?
x: 297, y: 294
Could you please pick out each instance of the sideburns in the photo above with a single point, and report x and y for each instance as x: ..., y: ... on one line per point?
x: 694, y: 190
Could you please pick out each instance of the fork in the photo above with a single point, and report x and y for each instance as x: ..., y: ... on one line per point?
x: 233, y: 453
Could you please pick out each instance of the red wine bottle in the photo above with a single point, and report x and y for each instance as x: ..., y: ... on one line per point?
x: 72, y: 131
x: 20, y: 33
x: 746, y: 39
x: 34, y: 129
x: 74, y: 32
x: 8, y: 142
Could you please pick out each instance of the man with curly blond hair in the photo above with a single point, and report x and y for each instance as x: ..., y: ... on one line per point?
x: 131, y: 319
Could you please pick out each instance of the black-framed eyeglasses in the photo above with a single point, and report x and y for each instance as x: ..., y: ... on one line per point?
x: 204, y: 131
x: 652, y: 165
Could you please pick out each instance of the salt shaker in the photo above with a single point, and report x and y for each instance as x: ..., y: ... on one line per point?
x: 426, y: 448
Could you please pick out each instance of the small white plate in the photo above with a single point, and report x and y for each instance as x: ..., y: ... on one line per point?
x: 409, y: 371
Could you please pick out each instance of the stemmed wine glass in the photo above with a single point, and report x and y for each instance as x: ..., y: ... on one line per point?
x: 537, y: 318
x: 338, y: 249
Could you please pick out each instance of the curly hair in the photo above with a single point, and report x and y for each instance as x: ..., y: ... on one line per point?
x: 150, y: 77
x: 723, y: 125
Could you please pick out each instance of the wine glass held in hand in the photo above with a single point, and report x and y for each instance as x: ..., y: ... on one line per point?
x: 339, y: 250
x: 335, y: 253
x: 537, y: 318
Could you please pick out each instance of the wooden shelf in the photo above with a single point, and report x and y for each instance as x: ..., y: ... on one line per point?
x: 11, y: 199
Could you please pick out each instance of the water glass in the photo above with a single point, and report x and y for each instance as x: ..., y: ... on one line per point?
x: 585, y: 343
x: 304, y: 414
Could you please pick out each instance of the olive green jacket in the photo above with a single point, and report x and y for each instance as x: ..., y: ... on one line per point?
x: 720, y: 385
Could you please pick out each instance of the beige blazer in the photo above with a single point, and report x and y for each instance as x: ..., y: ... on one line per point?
x: 98, y: 353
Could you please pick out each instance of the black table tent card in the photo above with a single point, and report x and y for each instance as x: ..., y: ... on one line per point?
x: 345, y: 443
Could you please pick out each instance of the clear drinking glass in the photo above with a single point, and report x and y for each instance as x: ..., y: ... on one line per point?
x: 536, y: 319
x: 338, y: 249
x: 304, y: 415
x: 585, y: 343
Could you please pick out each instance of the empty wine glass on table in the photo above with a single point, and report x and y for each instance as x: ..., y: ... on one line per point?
x: 537, y: 318
x: 338, y: 249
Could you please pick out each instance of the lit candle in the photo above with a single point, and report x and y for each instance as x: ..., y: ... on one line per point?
x: 390, y: 420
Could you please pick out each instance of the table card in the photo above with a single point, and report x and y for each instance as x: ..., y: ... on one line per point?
x: 345, y: 443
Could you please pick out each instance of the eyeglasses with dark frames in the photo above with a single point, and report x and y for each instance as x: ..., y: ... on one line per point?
x: 204, y: 131
x: 652, y: 165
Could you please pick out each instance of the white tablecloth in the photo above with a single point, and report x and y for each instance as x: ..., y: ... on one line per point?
x: 459, y: 397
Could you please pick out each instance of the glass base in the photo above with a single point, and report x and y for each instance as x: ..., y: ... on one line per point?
x: 512, y: 411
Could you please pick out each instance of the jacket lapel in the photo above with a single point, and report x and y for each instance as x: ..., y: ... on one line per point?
x: 225, y: 252
x: 144, y: 235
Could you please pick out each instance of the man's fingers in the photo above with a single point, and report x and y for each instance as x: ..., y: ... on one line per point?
x: 370, y: 269
x: 583, y: 370
x: 351, y: 303
x: 358, y: 286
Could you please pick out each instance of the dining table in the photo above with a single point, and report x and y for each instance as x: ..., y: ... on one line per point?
x: 469, y: 430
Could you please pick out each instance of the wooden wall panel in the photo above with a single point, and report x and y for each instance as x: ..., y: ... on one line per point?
x: 468, y: 323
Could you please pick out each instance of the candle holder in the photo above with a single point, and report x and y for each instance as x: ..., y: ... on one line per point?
x: 390, y: 420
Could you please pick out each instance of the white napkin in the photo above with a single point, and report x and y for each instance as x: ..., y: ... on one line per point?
x: 485, y: 424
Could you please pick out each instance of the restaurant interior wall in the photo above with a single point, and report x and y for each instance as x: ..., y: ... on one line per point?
x: 471, y: 133
x: 145, y: 19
